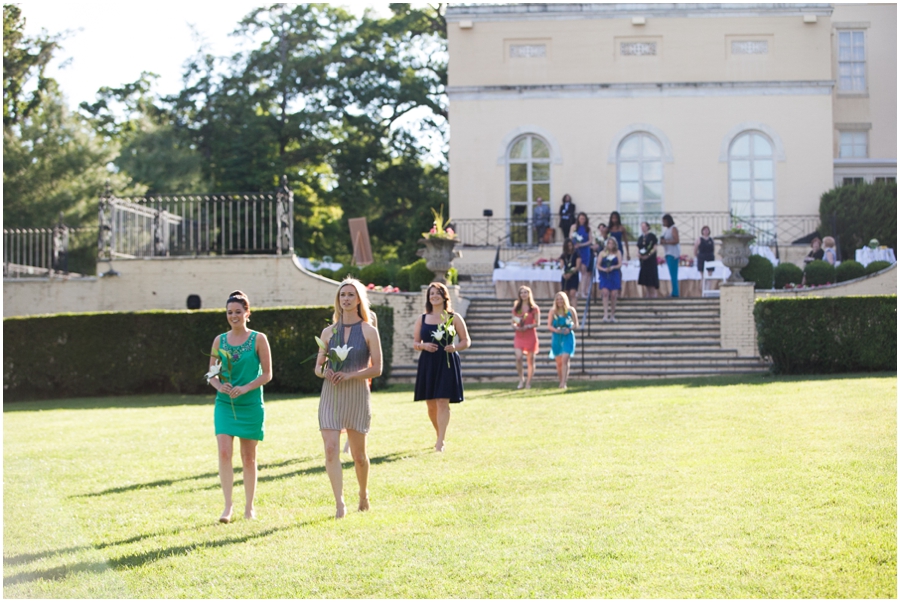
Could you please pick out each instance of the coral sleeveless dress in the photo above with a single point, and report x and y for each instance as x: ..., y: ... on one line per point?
x: 527, y: 340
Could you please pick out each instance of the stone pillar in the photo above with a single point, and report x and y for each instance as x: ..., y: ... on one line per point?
x: 736, y: 324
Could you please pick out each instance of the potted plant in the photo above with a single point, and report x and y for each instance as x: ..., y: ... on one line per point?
x: 735, y: 251
x: 439, y: 244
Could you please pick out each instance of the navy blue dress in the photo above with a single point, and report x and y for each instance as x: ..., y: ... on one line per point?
x: 435, y: 379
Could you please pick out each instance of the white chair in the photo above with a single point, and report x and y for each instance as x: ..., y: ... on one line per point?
x: 712, y: 270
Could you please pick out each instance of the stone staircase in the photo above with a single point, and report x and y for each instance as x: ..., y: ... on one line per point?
x: 652, y: 338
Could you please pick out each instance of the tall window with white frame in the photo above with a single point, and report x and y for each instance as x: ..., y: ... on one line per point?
x: 640, y: 175
x: 751, y: 174
x: 854, y: 144
x: 852, y: 61
x: 528, y: 176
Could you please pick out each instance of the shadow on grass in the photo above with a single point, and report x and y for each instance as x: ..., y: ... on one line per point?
x: 168, y: 482
x: 134, y: 401
x: 136, y: 560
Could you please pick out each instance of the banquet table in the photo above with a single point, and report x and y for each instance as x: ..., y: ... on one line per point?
x: 866, y: 255
x: 545, y: 282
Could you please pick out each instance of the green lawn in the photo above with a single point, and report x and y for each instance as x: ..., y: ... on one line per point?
x: 752, y: 488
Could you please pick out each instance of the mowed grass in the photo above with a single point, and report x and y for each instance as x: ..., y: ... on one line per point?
x: 755, y: 487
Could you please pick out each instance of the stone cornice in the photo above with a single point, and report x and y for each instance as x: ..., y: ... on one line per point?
x: 517, y: 12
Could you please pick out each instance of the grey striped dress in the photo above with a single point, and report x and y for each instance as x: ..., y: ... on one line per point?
x: 346, y: 405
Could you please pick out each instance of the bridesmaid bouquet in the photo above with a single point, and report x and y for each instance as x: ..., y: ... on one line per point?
x: 445, y: 332
x: 216, y: 370
x: 335, y: 356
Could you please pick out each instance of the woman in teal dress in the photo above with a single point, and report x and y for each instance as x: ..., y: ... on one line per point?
x: 562, y: 322
x: 239, y: 408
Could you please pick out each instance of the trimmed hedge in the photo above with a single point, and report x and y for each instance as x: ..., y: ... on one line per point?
x: 819, y: 272
x: 828, y: 335
x: 81, y: 355
x: 848, y: 270
x: 787, y: 273
x: 760, y: 271
x: 877, y: 266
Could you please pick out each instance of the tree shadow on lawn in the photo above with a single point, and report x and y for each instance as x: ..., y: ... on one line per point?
x: 132, y: 401
x: 136, y: 560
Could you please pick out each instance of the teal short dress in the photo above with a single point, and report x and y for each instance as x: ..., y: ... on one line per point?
x: 243, y: 416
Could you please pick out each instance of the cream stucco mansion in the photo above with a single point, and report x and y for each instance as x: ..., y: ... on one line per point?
x: 698, y: 110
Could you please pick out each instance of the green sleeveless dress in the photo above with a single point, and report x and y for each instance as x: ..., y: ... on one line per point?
x: 243, y: 416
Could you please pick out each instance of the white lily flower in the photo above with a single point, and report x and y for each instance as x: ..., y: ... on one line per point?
x: 321, y: 343
x: 213, y: 371
x: 342, y: 352
x: 438, y: 334
x: 451, y: 330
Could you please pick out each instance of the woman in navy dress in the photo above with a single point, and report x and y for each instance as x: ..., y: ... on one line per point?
x: 570, y: 264
x: 439, y: 380
x: 581, y: 238
x: 618, y: 231
x: 704, y: 248
x: 610, y: 273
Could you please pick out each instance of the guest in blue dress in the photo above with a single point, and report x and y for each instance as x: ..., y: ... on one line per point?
x: 618, y: 231
x: 438, y: 379
x: 581, y: 238
x: 562, y: 322
x: 610, y: 275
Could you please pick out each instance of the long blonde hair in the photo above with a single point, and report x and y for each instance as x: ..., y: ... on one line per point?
x: 606, y: 251
x: 517, y: 307
x: 362, y: 309
x: 566, y: 305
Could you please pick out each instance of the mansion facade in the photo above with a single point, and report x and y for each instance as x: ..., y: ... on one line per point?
x: 751, y: 110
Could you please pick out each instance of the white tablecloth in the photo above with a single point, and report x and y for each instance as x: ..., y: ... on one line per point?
x: 630, y: 272
x: 866, y: 255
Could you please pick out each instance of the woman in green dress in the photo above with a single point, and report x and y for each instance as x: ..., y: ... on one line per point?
x: 239, y: 408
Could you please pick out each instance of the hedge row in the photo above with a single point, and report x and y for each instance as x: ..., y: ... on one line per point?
x: 828, y: 335
x: 80, y: 355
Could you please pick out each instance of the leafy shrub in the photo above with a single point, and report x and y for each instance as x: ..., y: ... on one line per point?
x: 760, y: 271
x: 375, y: 273
x: 419, y: 275
x: 848, y: 270
x: 326, y: 273
x: 877, y: 266
x: 385, y: 314
x: 401, y: 278
x: 453, y: 276
x: 73, y: 355
x: 828, y: 335
x: 787, y: 273
x: 819, y: 272
x: 347, y: 270
x: 861, y: 213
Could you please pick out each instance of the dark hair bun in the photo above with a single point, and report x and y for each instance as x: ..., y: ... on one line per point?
x: 237, y: 294
x: 239, y: 297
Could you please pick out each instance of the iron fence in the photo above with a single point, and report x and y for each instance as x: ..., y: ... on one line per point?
x: 44, y: 252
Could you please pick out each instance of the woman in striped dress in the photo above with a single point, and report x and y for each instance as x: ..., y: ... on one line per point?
x: 344, y: 403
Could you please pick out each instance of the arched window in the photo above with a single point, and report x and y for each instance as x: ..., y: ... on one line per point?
x: 528, y: 177
x: 639, y: 162
x: 751, y: 178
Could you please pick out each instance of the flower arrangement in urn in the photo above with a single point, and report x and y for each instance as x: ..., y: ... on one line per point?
x: 439, y: 243
x: 439, y: 228
x: 735, y: 251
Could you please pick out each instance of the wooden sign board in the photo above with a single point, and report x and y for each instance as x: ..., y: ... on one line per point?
x: 359, y: 234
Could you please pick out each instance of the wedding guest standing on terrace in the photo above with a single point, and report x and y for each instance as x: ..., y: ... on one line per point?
x: 570, y: 264
x: 566, y: 215
x: 241, y: 365
x: 670, y: 242
x: 352, y: 358
x: 618, y: 231
x: 704, y: 248
x: 438, y: 379
x: 581, y: 238
x: 609, y: 268
x: 828, y: 251
x: 526, y: 316
x: 541, y: 218
x: 648, y: 277
x: 562, y: 322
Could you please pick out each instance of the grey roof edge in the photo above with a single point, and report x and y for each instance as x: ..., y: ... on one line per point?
x: 539, y: 11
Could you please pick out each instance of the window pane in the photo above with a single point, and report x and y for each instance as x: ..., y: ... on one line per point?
x: 859, y: 53
x: 846, y: 150
x: 631, y: 147
x: 740, y: 170
x: 846, y: 83
x: 762, y: 169
x: 540, y: 172
x: 766, y: 209
x: 518, y: 211
x: 763, y: 190
x: 652, y: 210
x: 653, y: 190
x: 761, y: 146
x: 844, y: 69
x: 740, y: 191
x: 628, y: 171
x: 628, y: 207
x: 652, y: 171
x: 741, y: 146
x: 845, y: 53
x: 518, y: 172
x: 859, y: 150
x: 844, y: 38
x: 651, y: 147
x: 539, y: 149
x: 846, y: 137
x: 859, y: 69
x: 518, y: 193
x: 859, y: 38
x: 541, y: 190
x: 859, y: 137
x: 859, y: 83
x: 740, y: 209
x: 628, y: 191
x: 519, y: 150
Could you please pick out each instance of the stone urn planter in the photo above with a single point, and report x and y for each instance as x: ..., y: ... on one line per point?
x: 439, y: 254
x: 735, y: 253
